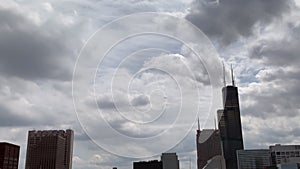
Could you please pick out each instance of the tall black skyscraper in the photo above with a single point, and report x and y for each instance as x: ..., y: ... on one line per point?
x: 230, y: 125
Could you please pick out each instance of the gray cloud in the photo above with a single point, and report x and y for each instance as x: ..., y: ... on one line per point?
x: 140, y: 100
x: 231, y: 19
x: 279, y: 52
x: 279, y: 92
x: 33, y: 50
x: 9, y: 118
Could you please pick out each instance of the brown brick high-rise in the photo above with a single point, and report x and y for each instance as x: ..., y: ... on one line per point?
x: 9, y: 156
x: 49, y: 149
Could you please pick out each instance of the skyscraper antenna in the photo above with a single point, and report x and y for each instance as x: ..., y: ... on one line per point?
x: 232, y: 76
x: 198, y: 124
x: 224, y: 79
x: 215, y: 123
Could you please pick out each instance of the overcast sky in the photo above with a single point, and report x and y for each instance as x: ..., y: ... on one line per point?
x: 132, y: 87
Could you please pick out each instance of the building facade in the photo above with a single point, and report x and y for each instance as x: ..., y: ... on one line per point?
x: 49, y: 149
x: 9, y: 155
x: 170, y: 161
x: 208, y: 143
x: 253, y: 159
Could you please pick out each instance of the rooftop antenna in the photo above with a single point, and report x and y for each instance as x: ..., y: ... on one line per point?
x: 232, y: 77
x: 215, y: 123
x: 224, y: 79
x: 198, y: 124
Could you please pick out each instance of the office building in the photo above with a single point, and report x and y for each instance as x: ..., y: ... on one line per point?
x: 230, y: 125
x: 9, y: 155
x: 170, y: 161
x: 154, y: 164
x: 49, y: 149
x: 281, y: 154
x: 208, y: 142
x: 253, y: 159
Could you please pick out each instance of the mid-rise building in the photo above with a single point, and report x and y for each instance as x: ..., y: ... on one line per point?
x: 9, y: 155
x: 49, y: 149
x: 253, y: 159
x: 154, y: 164
x: 281, y: 154
x: 170, y: 161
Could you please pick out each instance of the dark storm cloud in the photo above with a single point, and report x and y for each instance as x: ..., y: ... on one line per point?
x: 231, y: 19
x: 32, y: 51
x: 284, y: 52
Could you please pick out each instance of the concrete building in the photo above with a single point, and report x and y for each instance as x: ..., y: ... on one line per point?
x: 282, y: 154
x: 49, y: 149
x: 9, y: 155
x: 170, y: 161
x: 253, y: 159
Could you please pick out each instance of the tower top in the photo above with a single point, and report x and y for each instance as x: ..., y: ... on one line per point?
x: 215, y: 123
x: 198, y: 124
x: 224, y: 79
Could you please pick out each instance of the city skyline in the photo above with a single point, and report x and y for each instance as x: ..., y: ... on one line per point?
x: 41, y: 42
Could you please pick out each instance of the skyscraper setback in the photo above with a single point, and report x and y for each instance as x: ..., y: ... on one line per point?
x: 49, y: 149
x: 230, y: 125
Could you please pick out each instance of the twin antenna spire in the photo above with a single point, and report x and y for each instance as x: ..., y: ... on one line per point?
x: 224, y: 80
x: 232, y: 76
x: 198, y: 124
